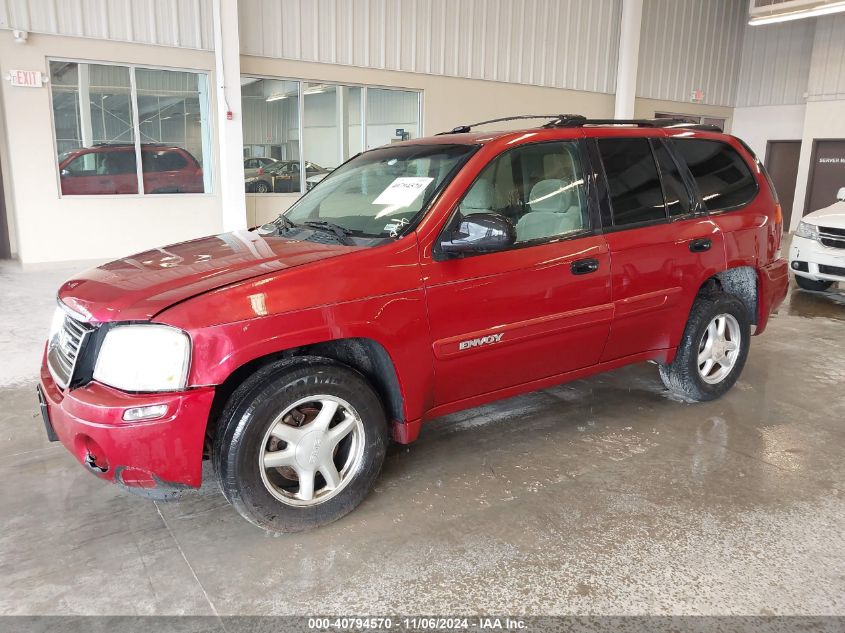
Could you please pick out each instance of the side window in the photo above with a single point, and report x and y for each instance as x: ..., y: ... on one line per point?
x: 723, y: 178
x: 635, y: 192
x: 117, y: 163
x: 163, y: 161
x: 252, y: 163
x: 674, y: 190
x: 539, y: 187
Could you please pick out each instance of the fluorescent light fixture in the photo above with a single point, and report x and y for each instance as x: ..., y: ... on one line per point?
x: 277, y: 97
x: 825, y: 9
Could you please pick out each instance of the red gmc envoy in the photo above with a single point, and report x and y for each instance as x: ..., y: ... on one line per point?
x: 415, y: 280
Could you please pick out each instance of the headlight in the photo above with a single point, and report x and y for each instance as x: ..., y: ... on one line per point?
x: 810, y: 231
x: 144, y: 358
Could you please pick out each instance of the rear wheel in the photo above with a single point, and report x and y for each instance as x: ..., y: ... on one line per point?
x: 300, y: 444
x: 811, y: 284
x: 713, y: 349
x: 262, y: 187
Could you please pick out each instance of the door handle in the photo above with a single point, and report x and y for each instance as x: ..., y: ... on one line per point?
x: 584, y: 266
x: 700, y: 245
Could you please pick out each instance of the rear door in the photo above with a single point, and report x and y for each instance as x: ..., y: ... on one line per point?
x: 661, y: 245
x: 538, y: 309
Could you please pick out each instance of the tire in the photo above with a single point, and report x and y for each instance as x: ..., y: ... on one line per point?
x: 685, y: 376
x: 811, y: 284
x: 246, y: 452
x: 262, y: 187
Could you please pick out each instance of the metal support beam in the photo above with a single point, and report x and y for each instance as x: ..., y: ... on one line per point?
x: 629, y: 54
x: 227, y: 58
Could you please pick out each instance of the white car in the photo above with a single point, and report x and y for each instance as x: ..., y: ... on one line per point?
x: 817, y: 252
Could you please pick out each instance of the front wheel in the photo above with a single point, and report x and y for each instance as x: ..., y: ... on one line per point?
x: 300, y: 444
x: 812, y: 284
x: 713, y: 349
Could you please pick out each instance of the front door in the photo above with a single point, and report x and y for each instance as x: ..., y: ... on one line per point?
x: 538, y: 309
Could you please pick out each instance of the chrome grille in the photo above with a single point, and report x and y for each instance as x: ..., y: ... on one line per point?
x: 831, y: 237
x: 64, y: 348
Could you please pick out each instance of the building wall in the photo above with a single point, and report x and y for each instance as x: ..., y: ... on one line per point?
x: 776, y: 63
x: 827, y: 71
x: 569, y: 44
x: 47, y: 226
x: 757, y: 125
x: 822, y: 120
x: 686, y: 46
x: 646, y: 108
x: 447, y: 102
x: 181, y: 23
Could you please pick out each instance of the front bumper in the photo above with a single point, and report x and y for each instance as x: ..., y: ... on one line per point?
x: 816, y: 255
x: 155, y: 457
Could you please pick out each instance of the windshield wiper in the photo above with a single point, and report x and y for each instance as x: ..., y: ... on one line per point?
x: 287, y: 223
x: 341, y: 233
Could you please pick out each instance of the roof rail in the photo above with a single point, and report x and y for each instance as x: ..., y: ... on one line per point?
x: 575, y: 120
x: 579, y: 120
x: 463, y: 129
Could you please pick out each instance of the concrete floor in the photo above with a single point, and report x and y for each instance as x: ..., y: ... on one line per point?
x: 603, y: 496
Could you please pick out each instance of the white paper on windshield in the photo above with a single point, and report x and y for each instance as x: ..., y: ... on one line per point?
x: 403, y: 191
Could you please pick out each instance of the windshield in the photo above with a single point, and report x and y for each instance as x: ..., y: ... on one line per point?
x: 379, y: 193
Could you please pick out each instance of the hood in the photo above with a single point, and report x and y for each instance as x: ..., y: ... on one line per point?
x: 833, y: 216
x: 140, y: 286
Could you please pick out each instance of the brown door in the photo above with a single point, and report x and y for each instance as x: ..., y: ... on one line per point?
x: 782, y: 165
x: 827, y: 174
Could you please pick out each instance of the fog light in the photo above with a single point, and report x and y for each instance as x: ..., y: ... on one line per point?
x: 145, y: 413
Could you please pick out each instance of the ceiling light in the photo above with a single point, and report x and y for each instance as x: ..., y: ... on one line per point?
x: 827, y: 9
x: 276, y: 97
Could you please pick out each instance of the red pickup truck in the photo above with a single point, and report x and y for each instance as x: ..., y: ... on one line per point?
x: 415, y: 280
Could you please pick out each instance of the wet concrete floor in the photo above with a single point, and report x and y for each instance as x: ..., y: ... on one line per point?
x: 603, y: 496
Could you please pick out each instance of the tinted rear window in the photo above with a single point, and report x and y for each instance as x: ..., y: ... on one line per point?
x: 723, y: 177
x: 635, y: 192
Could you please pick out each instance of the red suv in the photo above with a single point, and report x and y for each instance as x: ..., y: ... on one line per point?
x: 415, y: 280
x: 110, y: 169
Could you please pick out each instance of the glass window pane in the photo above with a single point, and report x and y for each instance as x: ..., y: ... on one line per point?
x: 540, y: 188
x: 723, y: 178
x: 92, y: 113
x: 331, y: 128
x: 392, y: 116
x: 174, y: 128
x: 635, y: 192
x: 677, y: 196
x: 271, y: 135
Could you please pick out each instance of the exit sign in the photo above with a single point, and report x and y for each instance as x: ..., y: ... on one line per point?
x: 26, y: 78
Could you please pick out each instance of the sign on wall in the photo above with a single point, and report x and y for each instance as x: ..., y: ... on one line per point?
x: 26, y: 78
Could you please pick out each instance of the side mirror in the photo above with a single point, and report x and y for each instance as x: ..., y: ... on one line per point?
x: 478, y: 233
x: 840, y: 195
x: 63, y: 173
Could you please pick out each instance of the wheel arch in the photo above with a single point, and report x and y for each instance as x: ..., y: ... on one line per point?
x: 743, y: 282
x: 365, y: 355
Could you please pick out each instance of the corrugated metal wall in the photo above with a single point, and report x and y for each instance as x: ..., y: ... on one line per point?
x: 775, y: 63
x: 562, y: 43
x: 686, y: 46
x: 185, y: 23
x: 827, y: 72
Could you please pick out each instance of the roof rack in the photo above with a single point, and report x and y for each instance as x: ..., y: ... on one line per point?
x: 579, y: 120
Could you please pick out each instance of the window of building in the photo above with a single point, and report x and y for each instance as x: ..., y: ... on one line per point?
x: 539, y: 187
x: 723, y: 178
x: 106, y: 116
x: 635, y: 192
x: 293, y: 127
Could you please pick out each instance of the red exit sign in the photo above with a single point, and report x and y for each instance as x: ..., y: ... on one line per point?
x: 26, y: 78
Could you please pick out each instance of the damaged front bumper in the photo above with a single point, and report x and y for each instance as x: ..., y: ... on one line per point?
x: 153, y: 458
